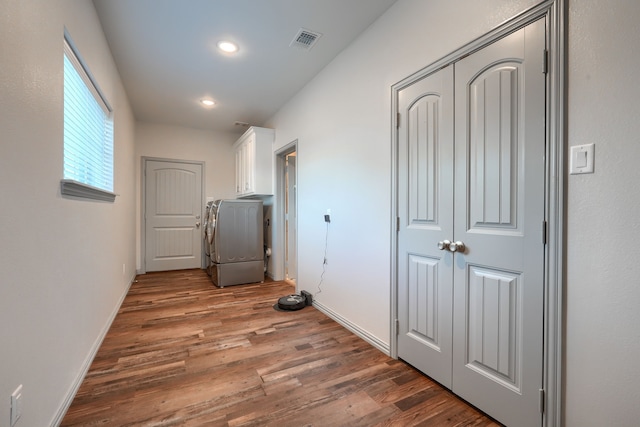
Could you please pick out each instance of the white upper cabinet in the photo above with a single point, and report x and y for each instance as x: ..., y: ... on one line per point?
x: 254, y: 165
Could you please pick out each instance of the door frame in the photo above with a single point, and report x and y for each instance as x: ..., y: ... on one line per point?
x: 279, y: 232
x: 554, y: 13
x: 143, y: 203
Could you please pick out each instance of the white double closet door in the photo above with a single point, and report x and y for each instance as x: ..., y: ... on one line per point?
x: 471, y: 181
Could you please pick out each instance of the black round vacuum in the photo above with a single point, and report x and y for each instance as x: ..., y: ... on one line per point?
x: 291, y: 302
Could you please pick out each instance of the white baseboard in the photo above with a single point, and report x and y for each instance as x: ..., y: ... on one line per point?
x: 371, y: 339
x: 89, y: 359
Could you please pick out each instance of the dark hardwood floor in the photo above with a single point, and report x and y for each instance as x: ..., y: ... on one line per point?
x: 182, y: 352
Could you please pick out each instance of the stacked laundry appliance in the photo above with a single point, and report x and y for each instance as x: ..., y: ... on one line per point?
x: 234, y: 241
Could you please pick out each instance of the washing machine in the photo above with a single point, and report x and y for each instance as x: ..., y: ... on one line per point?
x: 207, y: 231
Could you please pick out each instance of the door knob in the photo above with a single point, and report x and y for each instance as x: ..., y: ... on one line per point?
x: 198, y: 224
x: 457, y: 246
x: 443, y: 245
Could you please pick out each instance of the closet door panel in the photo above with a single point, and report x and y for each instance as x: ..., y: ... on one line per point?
x: 499, y: 214
x: 425, y: 199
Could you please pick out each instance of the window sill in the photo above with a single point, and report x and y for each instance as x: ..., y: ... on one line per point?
x: 69, y: 187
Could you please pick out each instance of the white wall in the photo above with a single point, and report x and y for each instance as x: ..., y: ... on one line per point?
x: 175, y: 142
x: 342, y: 122
x: 603, y: 257
x: 60, y: 259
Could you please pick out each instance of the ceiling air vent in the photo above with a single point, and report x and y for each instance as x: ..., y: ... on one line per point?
x: 305, y: 39
x: 243, y: 124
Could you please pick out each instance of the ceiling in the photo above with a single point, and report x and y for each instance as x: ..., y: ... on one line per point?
x: 166, y: 53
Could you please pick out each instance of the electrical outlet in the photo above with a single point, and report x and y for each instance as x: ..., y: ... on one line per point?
x: 16, y: 405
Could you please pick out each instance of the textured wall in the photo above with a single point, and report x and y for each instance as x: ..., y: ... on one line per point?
x: 174, y: 142
x: 60, y: 259
x: 603, y: 284
x: 342, y: 123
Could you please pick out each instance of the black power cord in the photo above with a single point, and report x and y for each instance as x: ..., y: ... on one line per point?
x: 327, y: 219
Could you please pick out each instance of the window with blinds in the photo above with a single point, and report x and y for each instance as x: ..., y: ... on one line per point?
x: 88, y: 133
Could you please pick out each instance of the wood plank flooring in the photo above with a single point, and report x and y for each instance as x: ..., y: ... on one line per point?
x: 182, y: 352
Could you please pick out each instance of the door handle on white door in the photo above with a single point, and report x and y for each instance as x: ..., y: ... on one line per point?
x: 197, y: 224
x: 457, y: 246
x: 443, y: 245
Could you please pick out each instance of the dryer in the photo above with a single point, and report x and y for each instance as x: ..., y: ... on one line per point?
x: 237, y: 248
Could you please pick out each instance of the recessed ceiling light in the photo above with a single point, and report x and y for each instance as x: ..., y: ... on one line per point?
x: 207, y: 102
x: 227, y: 46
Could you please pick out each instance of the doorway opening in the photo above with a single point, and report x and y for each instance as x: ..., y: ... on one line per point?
x: 286, y: 162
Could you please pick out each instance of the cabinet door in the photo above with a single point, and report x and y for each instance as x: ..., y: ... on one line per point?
x: 249, y: 164
x: 239, y: 170
x: 254, y: 151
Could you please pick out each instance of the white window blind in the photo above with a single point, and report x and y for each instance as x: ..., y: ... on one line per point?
x: 88, y: 130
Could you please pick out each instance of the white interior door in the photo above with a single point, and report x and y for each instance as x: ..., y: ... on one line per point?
x: 425, y: 193
x: 471, y: 315
x: 173, y: 209
x: 499, y: 214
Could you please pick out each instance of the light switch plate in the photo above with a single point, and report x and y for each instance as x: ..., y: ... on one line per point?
x: 581, y: 160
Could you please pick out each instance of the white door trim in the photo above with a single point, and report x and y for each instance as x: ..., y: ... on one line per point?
x: 143, y: 203
x: 554, y: 13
